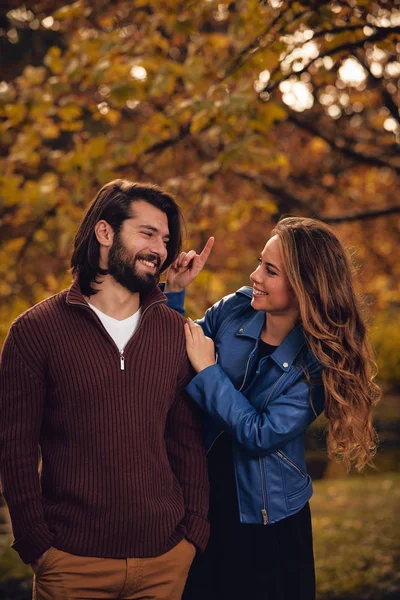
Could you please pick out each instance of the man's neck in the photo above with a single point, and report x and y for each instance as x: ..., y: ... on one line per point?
x: 113, y: 299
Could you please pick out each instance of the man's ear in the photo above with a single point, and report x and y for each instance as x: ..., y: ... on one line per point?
x: 104, y: 233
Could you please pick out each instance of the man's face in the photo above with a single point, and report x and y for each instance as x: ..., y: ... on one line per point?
x: 140, y: 248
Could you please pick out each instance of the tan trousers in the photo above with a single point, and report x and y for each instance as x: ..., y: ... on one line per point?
x: 64, y: 576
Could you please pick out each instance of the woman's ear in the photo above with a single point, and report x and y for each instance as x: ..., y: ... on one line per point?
x: 104, y: 233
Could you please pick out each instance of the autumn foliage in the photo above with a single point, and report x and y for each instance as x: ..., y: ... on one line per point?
x: 245, y: 110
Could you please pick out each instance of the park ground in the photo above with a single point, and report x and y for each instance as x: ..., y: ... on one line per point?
x: 356, y: 541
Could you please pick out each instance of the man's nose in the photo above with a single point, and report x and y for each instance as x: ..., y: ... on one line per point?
x: 158, y: 247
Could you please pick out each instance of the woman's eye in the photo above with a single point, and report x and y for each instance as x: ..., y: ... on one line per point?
x: 270, y: 272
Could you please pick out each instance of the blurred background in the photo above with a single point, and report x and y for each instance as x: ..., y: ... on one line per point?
x: 245, y: 110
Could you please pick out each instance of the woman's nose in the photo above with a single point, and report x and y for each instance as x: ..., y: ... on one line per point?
x: 254, y: 275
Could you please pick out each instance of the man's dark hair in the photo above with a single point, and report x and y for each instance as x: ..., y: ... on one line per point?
x: 113, y: 203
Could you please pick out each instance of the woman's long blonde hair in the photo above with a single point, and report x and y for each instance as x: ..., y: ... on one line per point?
x: 320, y: 274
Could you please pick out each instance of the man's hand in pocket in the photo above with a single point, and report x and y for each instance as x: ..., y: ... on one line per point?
x: 38, y: 562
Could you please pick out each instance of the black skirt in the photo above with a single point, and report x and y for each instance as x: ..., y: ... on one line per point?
x: 250, y: 562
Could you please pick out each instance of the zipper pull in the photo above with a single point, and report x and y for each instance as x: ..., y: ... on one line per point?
x: 264, y: 516
x: 122, y: 359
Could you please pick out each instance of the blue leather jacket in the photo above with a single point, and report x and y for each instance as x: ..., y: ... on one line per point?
x: 266, y: 409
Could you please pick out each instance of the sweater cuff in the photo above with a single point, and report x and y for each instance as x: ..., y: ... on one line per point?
x: 35, y: 543
x: 197, y: 530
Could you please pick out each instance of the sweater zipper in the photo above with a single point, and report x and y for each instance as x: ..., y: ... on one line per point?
x: 120, y: 352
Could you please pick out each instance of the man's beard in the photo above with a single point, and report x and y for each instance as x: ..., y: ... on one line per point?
x: 122, y: 267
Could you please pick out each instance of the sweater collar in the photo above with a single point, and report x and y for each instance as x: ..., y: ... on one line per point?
x: 75, y: 296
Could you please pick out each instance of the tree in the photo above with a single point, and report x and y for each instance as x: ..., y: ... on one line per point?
x: 246, y: 110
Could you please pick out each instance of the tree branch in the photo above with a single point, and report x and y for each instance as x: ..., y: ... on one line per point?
x: 379, y: 35
x: 256, y: 45
x: 357, y: 156
x: 309, y: 206
x: 286, y: 201
x: 160, y: 146
x: 51, y: 212
x: 380, y: 82
x: 359, y: 215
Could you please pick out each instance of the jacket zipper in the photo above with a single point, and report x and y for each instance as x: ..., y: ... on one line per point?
x: 263, y: 511
x: 218, y: 436
x: 245, y: 373
x: 281, y: 455
x: 240, y: 389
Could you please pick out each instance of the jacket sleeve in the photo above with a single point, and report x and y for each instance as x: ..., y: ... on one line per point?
x: 184, y: 442
x: 284, y: 418
x: 175, y: 300
x: 22, y: 396
x: 211, y: 319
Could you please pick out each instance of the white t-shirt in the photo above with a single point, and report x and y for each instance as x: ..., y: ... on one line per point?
x: 120, y: 331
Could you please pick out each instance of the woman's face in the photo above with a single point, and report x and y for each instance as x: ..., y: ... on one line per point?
x: 272, y: 291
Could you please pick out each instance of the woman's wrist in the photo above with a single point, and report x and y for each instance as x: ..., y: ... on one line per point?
x: 204, y: 366
x: 172, y: 288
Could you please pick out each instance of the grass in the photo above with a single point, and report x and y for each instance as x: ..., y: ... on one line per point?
x: 357, y: 537
x: 356, y: 541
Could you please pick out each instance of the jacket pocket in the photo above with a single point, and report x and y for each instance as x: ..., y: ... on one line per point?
x: 290, y: 462
x: 297, y: 483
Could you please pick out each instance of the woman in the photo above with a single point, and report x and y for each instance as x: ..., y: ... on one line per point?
x: 275, y: 356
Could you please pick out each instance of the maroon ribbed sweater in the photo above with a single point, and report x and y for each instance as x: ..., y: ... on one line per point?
x: 124, y: 470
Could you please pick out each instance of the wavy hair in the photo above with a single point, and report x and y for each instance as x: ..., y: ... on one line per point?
x: 320, y: 274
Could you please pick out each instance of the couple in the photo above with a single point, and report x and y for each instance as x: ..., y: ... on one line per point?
x: 98, y: 377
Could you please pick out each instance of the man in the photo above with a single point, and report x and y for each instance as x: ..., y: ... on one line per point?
x: 94, y: 376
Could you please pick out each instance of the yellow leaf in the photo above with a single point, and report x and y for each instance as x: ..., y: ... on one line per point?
x: 34, y: 75
x: 112, y: 116
x: 69, y: 112
x: 41, y: 236
x: 53, y: 60
x: 218, y: 40
x: 16, y: 113
x: 96, y: 147
x: 318, y: 146
x: 199, y: 121
x: 50, y: 131
x: 48, y: 183
x: 106, y: 21
x: 74, y: 126
x: 68, y: 12
x: 10, y: 188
